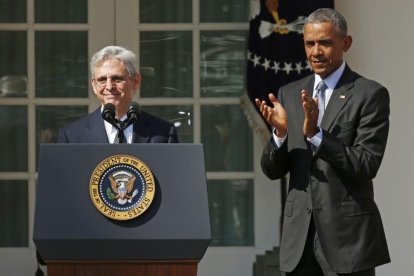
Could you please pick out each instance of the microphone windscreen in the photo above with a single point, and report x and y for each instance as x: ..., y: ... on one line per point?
x: 108, y: 112
x: 134, y: 112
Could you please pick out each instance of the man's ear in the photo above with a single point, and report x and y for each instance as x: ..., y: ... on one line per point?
x: 137, y: 81
x: 347, y: 43
x: 93, y: 86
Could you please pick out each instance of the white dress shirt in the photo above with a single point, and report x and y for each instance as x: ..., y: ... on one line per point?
x: 331, y: 81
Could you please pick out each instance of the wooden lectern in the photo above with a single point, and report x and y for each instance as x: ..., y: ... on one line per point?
x: 110, y: 268
x: 75, y: 239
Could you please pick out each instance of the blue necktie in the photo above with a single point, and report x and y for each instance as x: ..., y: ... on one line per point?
x: 320, y: 95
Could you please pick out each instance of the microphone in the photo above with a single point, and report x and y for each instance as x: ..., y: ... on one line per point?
x: 133, y: 113
x: 108, y: 114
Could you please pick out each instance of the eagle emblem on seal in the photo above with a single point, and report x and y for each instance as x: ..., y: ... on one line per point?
x: 122, y: 187
x: 122, y: 184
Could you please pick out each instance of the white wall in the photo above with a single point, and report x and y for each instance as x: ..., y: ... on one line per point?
x: 382, y: 50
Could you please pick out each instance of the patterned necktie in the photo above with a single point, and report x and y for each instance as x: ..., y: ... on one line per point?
x: 120, y: 136
x: 320, y: 95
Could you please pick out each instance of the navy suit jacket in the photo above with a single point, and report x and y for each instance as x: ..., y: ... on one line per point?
x: 334, y: 183
x: 91, y: 129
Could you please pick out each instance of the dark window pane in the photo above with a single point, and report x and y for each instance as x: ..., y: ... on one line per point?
x: 13, y: 11
x: 223, y: 63
x: 14, y: 214
x: 62, y: 64
x: 224, y: 11
x: 13, y: 68
x: 13, y: 138
x: 61, y: 11
x: 231, y: 212
x: 227, y: 138
x: 161, y: 11
x: 166, y: 64
x: 50, y: 118
x: 181, y: 116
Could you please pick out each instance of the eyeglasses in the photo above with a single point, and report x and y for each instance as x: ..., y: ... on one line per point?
x: 117, y: 80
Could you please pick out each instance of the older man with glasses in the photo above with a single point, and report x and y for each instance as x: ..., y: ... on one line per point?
x: 115, y: 80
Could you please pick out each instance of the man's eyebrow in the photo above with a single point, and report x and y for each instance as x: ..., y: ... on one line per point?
x: 323, y: 40
x: 111, y: 76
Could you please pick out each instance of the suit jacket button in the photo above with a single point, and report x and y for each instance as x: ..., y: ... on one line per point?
x: 308, y: 210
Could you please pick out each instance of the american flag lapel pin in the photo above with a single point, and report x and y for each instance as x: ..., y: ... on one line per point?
x: 342, y: 97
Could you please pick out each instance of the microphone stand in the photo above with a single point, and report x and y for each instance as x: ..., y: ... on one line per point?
x: 108, y: 114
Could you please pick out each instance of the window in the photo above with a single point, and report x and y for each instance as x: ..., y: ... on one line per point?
x: 193, y: 65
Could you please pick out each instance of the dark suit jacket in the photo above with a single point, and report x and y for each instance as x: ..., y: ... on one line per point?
x: 91, y: 129
x: 334, y: 183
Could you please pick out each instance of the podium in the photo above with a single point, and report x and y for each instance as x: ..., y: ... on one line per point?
x: 75, y: 238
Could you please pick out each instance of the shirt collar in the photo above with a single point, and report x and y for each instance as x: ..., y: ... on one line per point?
x: 332, y: 79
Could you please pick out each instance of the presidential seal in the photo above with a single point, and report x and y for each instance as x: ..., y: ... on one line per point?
x: 122, y: 187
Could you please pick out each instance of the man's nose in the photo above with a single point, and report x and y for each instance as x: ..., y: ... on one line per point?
x: 316, y: 49
x: 109, y: 84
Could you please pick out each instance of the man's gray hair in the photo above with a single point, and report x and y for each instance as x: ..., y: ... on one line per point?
x: 329, y: 15
x: 126, y: 56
